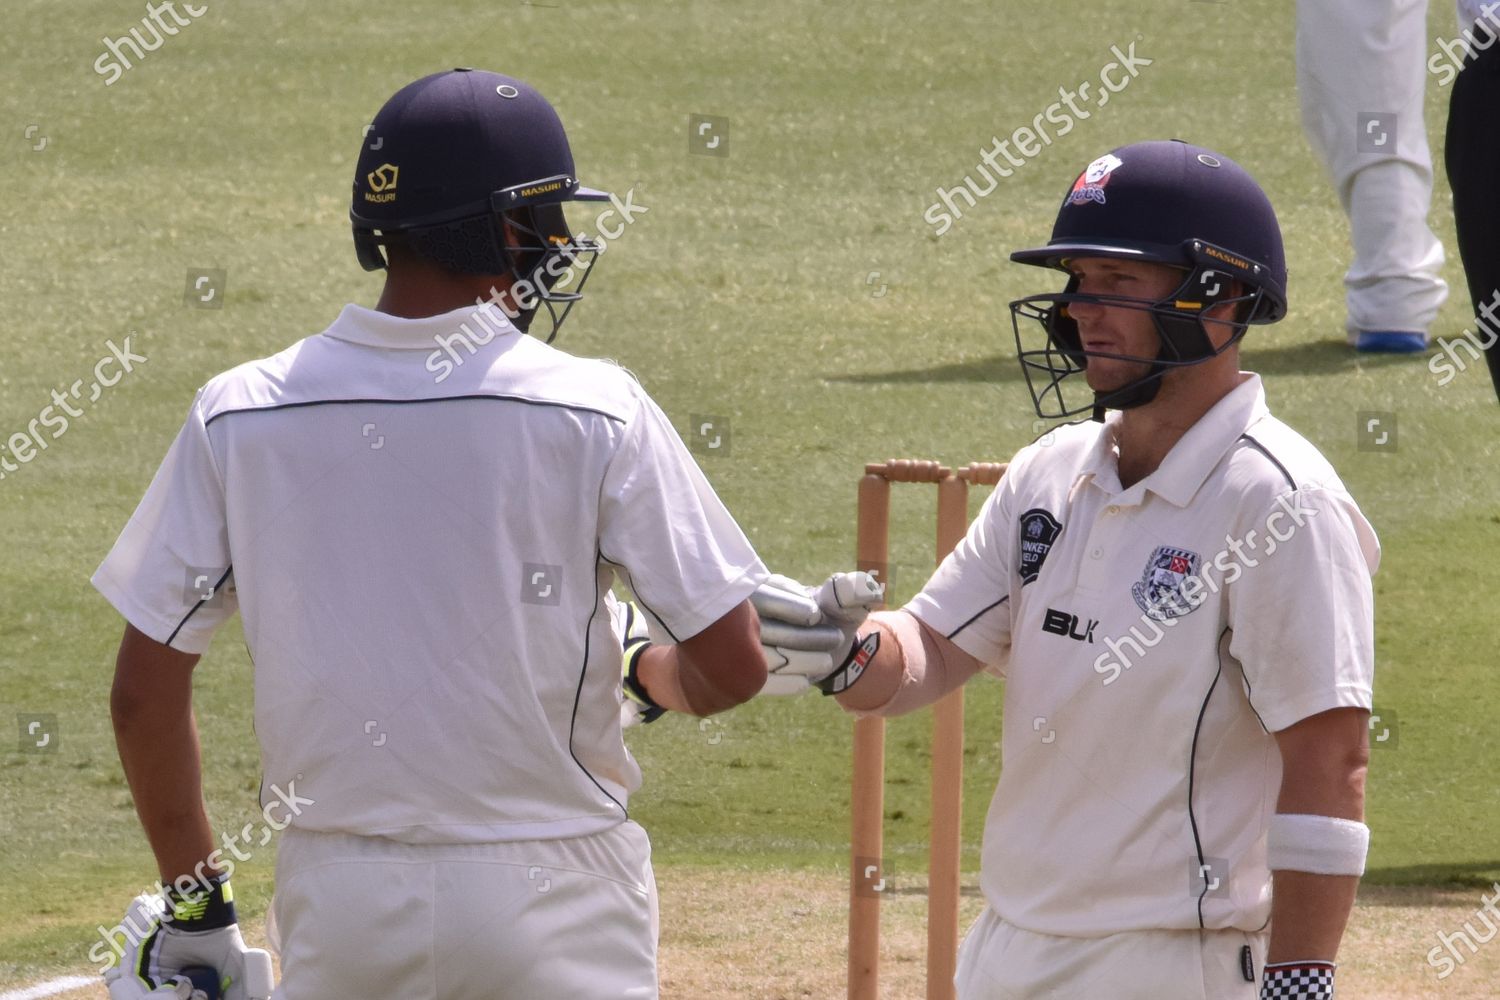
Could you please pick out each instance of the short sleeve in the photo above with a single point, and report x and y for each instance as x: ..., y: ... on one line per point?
x: 968, y: 598
x: 686, y: 559
x: 169, y: 572
x: 1302, y: 620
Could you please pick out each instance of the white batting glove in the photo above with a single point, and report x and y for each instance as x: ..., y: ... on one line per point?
x: 182, y: 931
x: 807, y: 633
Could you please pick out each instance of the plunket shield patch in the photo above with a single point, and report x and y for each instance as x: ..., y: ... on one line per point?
x: 1039, y: 529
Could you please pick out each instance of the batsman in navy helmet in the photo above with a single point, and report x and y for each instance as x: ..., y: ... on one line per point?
x: 469, y: 172
x: 1178, y: 596
x: 420, y: 514
x: 1168, y: 203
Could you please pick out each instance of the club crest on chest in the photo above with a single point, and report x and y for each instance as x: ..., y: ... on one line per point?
x: 1039, y: 529
x: 1161, y: 592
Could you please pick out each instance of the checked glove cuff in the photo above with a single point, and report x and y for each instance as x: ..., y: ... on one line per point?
x: 206, y: 906
x: 1298, y: 981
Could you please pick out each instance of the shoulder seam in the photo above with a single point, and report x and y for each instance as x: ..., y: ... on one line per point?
x: 1271, y: 458
x: 502, y: 397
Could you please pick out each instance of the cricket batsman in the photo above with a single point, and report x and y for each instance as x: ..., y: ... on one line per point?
x: 419, y: 514
x: 1178, y: 596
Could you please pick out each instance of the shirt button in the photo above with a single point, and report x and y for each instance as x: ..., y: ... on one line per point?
x: 1111, y: 510
x: 1097, y: 553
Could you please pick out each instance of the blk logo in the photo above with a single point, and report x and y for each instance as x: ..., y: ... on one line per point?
x: 1066, y: 625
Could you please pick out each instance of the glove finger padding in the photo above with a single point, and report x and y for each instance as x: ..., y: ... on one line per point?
x: 807, y: 633
x: 848, y: 598
x: 780, y: 598
x: 823, y: 638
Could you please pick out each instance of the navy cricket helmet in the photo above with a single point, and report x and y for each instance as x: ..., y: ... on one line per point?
x: 452, y: 160
x: 1166, y: 202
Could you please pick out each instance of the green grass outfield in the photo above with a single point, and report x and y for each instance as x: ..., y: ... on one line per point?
x: 746, y: 292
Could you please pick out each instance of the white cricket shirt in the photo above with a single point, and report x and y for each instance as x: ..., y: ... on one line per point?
x: 1139, y: 771
x: 422, y: 564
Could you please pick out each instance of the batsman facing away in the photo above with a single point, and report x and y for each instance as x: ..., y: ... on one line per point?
x: 450, y: 702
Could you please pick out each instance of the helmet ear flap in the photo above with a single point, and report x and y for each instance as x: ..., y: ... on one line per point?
x: 1179, y: 319
x: 367, y: 248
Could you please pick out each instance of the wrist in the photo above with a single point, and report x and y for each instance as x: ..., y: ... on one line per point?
x: 635, y: 688
x: 204, y: 904
x: 861, y: 652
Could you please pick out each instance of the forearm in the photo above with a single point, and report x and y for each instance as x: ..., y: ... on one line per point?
x: 713, y: 671
x: 913, y: 668
x: 1315, y: 872
x: 1308, y: 915
x: 157, y: 738
x: 677, y: 685
x: 1309, y: 911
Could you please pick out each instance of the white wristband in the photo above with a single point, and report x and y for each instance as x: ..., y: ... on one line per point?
x: 1320, y: 845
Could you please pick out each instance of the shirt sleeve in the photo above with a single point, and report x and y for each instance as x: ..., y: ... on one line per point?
x: 968, y: 598
x: 169, y: 572
x: 685, y: 558
x: 1302, y: 621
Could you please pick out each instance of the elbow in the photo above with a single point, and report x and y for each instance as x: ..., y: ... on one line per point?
x: 739, y: 684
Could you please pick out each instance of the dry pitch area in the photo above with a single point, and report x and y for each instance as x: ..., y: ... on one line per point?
x: 780, y: 936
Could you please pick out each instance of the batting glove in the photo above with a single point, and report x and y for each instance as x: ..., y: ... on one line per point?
x: 165, y: 935
x: 636, y: 706
x: 809, y: 635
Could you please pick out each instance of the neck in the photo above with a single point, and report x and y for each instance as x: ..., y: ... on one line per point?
x: 1147, y: 433
x: 414, y: 290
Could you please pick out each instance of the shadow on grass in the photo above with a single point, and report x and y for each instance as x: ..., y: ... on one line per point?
x: 966, y: 890
x: 1460, y: 874
x: 995, y: 368
x: 1315, y: 357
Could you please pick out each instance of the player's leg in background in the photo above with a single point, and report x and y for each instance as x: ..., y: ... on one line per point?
x: 1361, y: 75
x: 1472, y: 156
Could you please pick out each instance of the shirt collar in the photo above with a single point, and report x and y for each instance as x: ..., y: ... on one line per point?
x: 477, y: 324
x: 1192, y: 458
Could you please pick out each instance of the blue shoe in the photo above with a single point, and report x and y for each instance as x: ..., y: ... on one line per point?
x: 1390, y: 342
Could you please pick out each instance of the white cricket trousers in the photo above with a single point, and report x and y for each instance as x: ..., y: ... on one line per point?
x: 999, y: 961
x: 1357, y: 59
x: 358, y: 917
